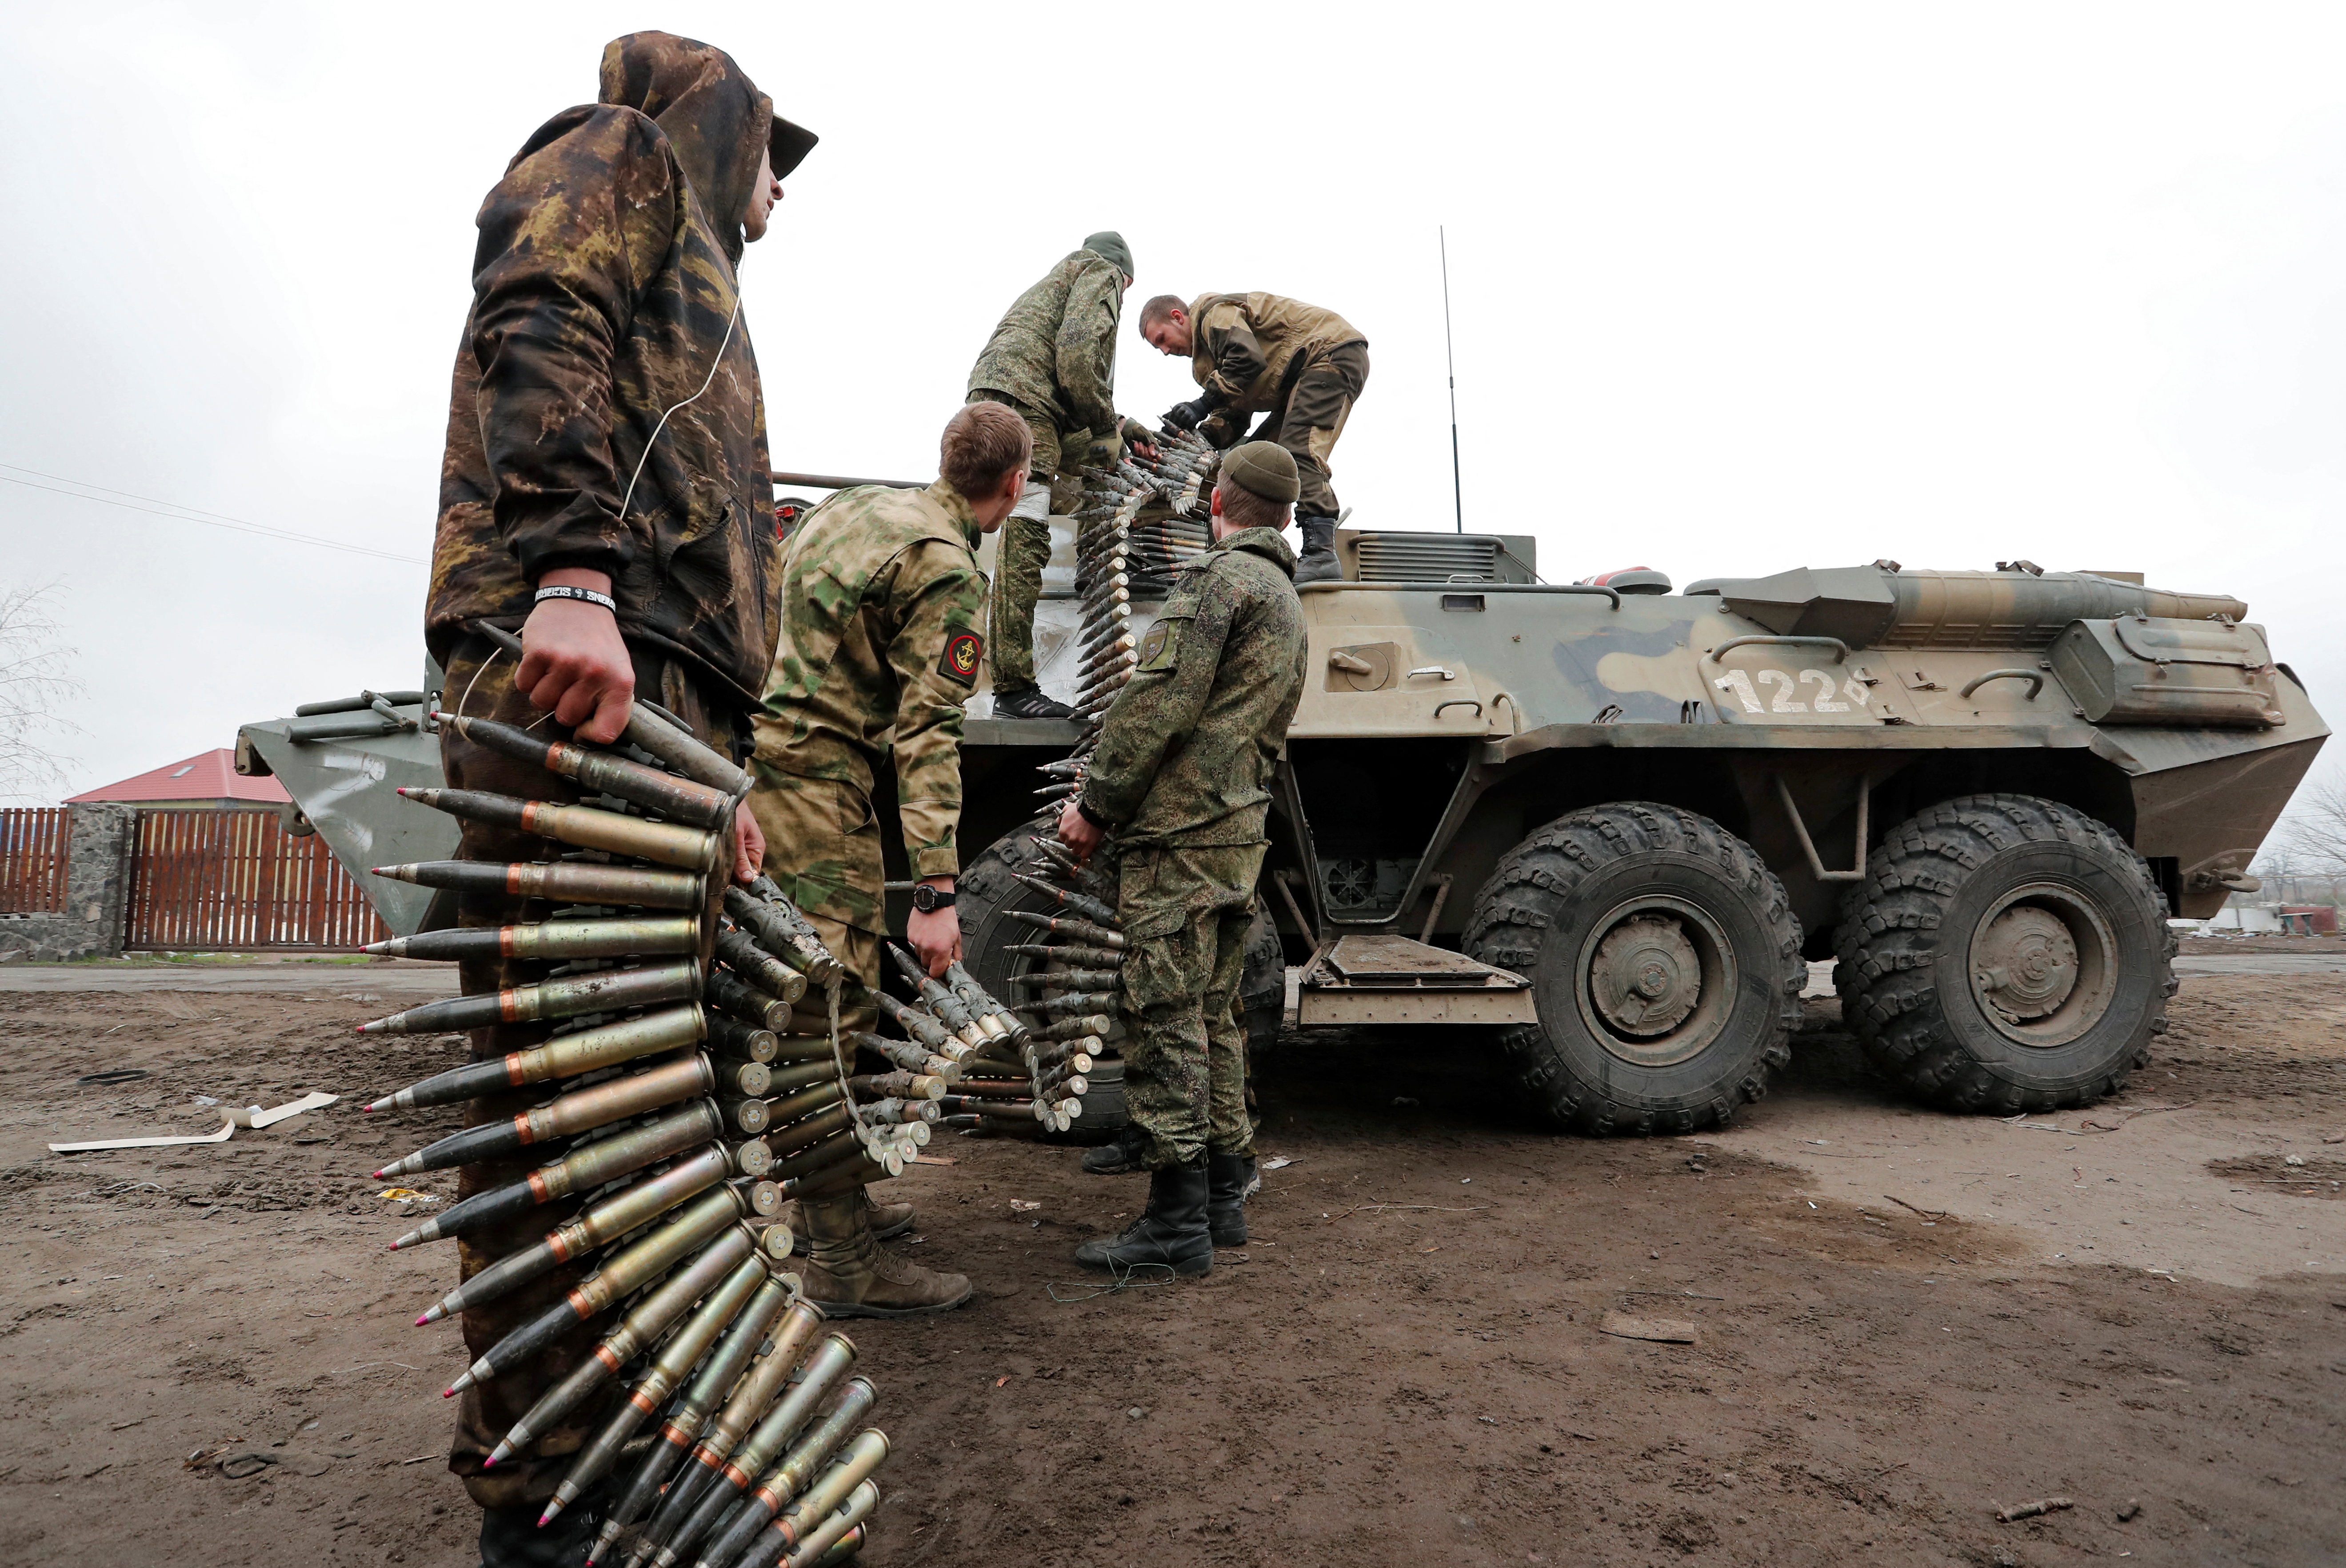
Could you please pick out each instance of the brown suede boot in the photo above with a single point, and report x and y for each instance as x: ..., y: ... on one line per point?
x: 888, y: 1220
x: 848, y: 1274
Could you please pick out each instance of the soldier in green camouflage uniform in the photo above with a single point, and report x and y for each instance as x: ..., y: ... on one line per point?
x: 1182, y: 777
x: 878, y: 650
x: 1052, y: 360
x: 605, y: 291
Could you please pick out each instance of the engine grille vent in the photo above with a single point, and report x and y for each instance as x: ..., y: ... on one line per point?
x: 1427, y: 557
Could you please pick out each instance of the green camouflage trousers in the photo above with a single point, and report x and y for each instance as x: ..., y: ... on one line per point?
x: 1023, y: 546
x: 822, y: 850
x: 1186, y: 914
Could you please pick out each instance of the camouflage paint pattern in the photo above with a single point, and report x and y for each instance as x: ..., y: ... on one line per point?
x: 879, y: 648
x: 1188, y: 751
x: 1184, y: 1064
x: 604, y: 294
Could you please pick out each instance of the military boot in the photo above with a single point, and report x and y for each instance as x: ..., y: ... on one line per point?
x: 1227, y: 1176
x: 1317, y: 564
x: 888, y: 1220
x: 848, y: 1274
x: 1120, y: 1155
x: 1171, y: 1230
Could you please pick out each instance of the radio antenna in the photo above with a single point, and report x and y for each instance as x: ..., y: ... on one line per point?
x: 1449, y: 351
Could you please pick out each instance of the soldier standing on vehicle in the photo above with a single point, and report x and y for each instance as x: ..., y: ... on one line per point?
x: 879, y: 648
x: 1051, y: 361
x: 1254, y: 354
x: 629, y: 564
x: 1182, y: 776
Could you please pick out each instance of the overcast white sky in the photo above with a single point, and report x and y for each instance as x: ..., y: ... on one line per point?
x: 1736, y: 288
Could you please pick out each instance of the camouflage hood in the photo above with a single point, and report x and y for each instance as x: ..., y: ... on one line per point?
x: 711, y: 113
x: 604, y: 295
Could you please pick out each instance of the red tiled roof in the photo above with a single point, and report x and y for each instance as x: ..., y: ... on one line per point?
x: 205, y: 776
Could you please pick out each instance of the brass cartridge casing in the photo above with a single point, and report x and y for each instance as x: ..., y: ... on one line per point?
x: 553, y: 939
x: 662, y: 843
x: 561, y: 883
x: 732, y: 1037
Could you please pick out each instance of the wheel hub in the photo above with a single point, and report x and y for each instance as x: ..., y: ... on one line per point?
x: 2026, y: 963
x: 1646, y: 977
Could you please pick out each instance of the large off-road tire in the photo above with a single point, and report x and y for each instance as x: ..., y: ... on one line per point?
x: 2005, y: 953
x: 985, y: 893
x: 1664, y: 962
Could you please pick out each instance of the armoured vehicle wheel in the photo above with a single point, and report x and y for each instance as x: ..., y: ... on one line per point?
x: 985, y: 893
x: 1664, y: 962
x: 2005, y: 953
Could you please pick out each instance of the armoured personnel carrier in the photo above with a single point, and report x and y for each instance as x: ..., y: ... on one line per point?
x: 1612, y: 823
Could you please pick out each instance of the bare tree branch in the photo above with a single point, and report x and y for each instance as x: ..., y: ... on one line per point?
x: 34, y: 679
x: 2316, y: 841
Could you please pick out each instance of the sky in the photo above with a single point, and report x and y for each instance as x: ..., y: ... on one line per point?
x: 1733, y: 288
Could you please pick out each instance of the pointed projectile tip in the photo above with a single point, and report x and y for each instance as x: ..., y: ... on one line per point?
x: 448, y: 1394
x: 379, y: 1176
x: 431, y: 1314
x: 371, y: 1107
x: 552, y: 1509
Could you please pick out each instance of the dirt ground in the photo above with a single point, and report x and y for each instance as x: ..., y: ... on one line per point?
x: 1902, y: 1322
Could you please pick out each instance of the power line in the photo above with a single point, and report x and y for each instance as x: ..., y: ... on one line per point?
x: 179, y: 513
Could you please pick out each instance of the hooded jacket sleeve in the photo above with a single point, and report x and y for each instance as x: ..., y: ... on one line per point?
x: 567, y: 240
x: 1153, y: 716
x: 936, y: 602
x: 1086, y: 352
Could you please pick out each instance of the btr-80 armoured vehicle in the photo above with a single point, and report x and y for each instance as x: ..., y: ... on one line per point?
x: 1610, y: 823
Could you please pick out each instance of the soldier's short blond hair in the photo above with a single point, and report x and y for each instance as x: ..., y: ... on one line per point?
x: 982, y: 443
x: 1160, y: 309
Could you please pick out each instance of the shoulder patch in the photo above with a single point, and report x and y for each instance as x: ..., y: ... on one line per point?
x: 1161, y: 647
x: 965, y: 649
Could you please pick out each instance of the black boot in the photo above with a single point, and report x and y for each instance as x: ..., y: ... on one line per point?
x: 1171, y: 1231
x: 1120, y: 1155
x: 1029, y: 703
x: 1318, y: 562
x: 1227, y: 1176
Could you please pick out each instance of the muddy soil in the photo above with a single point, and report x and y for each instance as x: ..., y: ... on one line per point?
x: 1895, y: 1329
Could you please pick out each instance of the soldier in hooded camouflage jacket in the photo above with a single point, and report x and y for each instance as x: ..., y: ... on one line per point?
x: 1052, y: 360
x: 603, y: 293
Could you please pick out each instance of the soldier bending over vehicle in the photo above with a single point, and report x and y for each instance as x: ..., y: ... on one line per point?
x: 1182, y: 776
x: 1257, y: 353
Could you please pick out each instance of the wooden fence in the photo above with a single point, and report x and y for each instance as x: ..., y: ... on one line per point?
x: 32, y: 859
x: 214, y: 880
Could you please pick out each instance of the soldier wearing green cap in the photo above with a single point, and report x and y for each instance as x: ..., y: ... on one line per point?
x: 1182, y: 777
x: 1052, y: 359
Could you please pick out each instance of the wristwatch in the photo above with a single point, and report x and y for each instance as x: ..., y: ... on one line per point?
x: 926, y: 897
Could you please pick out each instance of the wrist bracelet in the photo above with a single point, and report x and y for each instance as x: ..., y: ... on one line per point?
x: 588, y: 595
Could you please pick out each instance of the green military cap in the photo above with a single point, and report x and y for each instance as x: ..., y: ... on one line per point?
x: 1266, y: 468
x: 1110, y: 244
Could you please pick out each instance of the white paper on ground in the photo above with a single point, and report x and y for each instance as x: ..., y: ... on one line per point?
x: 227, y: 1128
x: 255, y: 1117
x: 249, y: 1116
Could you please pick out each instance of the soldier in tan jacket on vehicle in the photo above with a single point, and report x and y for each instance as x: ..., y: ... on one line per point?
x: 1255, y: 353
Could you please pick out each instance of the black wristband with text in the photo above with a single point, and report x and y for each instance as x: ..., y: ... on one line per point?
x: 588, y: 595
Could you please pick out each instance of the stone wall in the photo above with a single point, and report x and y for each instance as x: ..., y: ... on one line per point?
x: 97, y: 883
